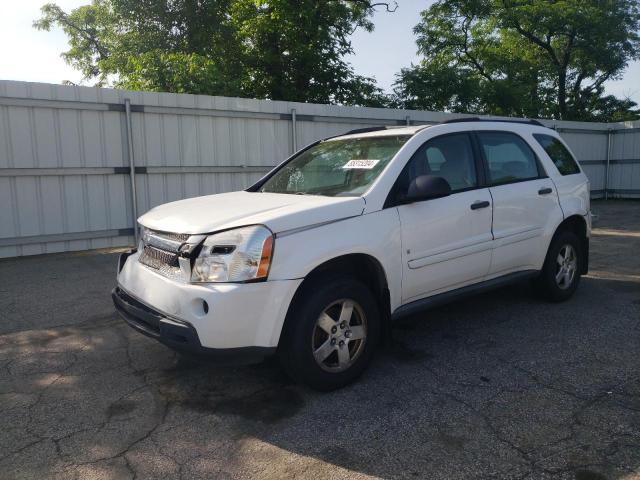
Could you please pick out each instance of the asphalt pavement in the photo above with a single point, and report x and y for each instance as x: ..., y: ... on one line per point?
x: 500, y: 385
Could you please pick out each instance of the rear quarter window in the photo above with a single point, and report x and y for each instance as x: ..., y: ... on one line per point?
x: 561, y: 157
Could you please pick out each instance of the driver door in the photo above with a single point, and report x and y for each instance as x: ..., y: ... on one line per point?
x: 446, y: 242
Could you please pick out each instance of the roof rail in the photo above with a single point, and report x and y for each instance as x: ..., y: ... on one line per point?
x: 364, y: 130
x: 385, y: 127
x: 525, y: 121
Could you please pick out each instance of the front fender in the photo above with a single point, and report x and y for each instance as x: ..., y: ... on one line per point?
x: 376, y: 234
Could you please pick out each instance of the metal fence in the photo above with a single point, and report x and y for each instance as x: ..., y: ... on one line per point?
x: 78, y: 164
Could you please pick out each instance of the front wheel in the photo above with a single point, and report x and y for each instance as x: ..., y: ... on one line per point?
x: 332, y: 331
x: 560, y: 274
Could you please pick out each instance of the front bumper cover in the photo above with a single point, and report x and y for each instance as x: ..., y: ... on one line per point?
x: 178, y: 334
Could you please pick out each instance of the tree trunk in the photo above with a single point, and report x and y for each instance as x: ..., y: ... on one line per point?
x: 562, y: 94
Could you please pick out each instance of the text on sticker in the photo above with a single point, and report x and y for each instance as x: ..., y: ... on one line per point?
x: 361, y: 164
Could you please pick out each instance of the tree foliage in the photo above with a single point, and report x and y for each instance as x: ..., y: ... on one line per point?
x: 281, y: 49
x: 535, y: 58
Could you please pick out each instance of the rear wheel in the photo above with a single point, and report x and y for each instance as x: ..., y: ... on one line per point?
x: 560, y: 274
x: 332, y: 331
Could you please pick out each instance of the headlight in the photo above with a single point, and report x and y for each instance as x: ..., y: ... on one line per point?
x: 238, y: 255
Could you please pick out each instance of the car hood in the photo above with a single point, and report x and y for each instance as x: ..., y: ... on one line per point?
x: 279, y: 212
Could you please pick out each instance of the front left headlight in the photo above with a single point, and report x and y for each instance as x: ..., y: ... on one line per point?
x: 238, y: 255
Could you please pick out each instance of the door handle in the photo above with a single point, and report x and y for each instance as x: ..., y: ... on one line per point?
x: 544, y: 191
x: 477, y: 205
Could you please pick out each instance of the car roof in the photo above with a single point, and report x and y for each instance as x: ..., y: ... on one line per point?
x: 411, y: 130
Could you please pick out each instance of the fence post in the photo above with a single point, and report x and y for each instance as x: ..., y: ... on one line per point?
x: 294, y: 131
x: 407, y: 120
x: 606, y: 168
x: 132, y: 169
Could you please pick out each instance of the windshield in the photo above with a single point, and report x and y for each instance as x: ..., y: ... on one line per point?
x: 336, y: 167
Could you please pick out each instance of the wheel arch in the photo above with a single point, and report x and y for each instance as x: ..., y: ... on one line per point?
x: 578, y: 225
x: 362, y: 266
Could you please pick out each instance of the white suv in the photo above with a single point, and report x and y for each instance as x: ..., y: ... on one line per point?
x: 316, y: 260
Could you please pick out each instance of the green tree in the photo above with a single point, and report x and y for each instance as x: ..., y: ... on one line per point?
x: 151, y: 45
x: 281, y: 49
x: 536, y: 58
x: 295, y: 50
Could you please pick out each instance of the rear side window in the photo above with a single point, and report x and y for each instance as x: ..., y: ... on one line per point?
x: 562, y: 157
x: 509, y: 157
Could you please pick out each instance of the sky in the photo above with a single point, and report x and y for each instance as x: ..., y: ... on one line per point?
x: 32, y: 55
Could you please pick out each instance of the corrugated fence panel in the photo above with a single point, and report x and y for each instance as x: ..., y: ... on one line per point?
x: 64, y: 155
x: 60, y: 150
x: 624, y: 175
x: 591, y: 149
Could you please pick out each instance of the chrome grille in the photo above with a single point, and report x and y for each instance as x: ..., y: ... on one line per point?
x: 165, y: 262
x: 156, y: 258
x: 179, y: 237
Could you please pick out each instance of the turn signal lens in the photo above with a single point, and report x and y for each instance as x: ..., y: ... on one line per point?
x: 265, y: 258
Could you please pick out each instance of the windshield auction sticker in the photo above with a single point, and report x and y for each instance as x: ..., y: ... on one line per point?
x: 361, y: 164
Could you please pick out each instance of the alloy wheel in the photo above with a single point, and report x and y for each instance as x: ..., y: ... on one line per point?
x: 566, y: 266
x: 339, y: 335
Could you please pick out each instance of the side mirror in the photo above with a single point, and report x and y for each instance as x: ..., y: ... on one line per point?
x: 425, y: 187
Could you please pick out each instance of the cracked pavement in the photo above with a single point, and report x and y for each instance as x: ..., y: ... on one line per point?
x: 501, y: 385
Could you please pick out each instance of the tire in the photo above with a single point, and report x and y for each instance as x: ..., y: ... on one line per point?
x: 564, y: 254
x: 343, y: 346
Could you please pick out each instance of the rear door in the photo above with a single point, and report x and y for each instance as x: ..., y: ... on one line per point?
x: 446, y: 242
x: 525, y: 202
